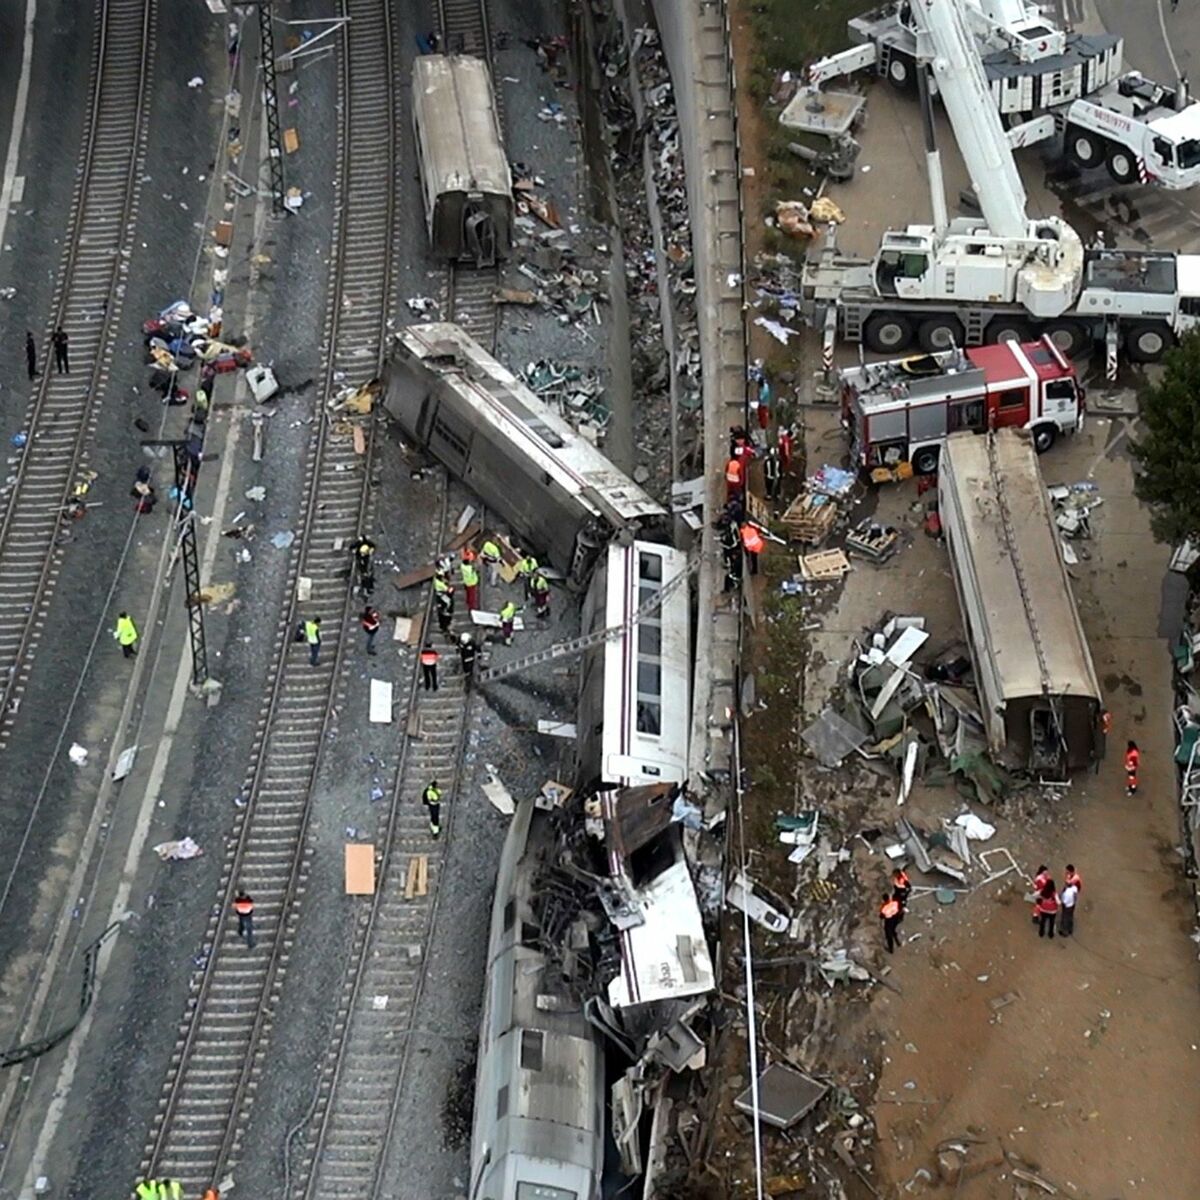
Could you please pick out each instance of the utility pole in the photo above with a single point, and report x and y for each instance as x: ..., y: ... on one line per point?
x: 266, y: 48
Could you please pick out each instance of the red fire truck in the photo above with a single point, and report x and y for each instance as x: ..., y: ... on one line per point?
x: 902, y: 410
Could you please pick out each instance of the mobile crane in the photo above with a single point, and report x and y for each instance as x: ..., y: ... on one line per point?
x: 967, y: 281
x: 1046, y: 83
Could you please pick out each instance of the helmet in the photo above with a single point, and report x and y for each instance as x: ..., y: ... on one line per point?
x: 468, y: 554
x: 465, y: 639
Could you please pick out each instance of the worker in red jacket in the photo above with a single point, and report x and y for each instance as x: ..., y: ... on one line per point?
x: 891, y: 913
x: 1039, y: 882
x: 735, y: 480
x: 901, y: 886
x: 1047, y: 908
x: 752, y: 544
x: 1133, y: 760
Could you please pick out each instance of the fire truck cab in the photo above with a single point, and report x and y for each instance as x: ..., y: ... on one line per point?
x: 902, y: 410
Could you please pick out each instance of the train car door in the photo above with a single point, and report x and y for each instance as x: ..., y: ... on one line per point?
x: 449, y: 439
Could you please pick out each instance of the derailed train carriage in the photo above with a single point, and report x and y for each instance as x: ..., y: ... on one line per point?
x: 553, y: 487
x: 466, y: 183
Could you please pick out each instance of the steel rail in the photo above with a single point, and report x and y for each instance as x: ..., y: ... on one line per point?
x: 88, y: 297
x: 209, y: 1090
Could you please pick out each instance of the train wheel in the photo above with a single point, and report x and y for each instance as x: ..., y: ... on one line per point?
x: 940, y: 333
x: 888, y: 333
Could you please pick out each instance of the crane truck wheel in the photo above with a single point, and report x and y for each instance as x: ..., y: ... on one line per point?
x: 902, y: 73
x: 1148, y: 341
x: 1122, y: 165
x: 887, y: 333
x: 1006, y: 329
x: 940, y: 333
x: 1044, y: 437
x: 1068, y: 336
x: 1084, y: 149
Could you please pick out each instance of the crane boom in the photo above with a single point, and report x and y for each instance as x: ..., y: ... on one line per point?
x: 953, y: 56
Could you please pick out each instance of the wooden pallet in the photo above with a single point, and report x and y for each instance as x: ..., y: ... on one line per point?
x: 810, y: 518
x: 824, y: 565
x: 416, y: 881
x: 872, y: 541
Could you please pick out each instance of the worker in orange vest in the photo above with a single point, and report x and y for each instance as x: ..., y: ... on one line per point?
x: 752, y: 544
x: 891, y: 912
x: 901, y: 887
x: 243, y: 905
x: 1133, y: 760
x: 429, y: 664
x: 735, y: 480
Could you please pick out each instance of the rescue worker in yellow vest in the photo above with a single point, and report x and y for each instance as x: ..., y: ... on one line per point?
x: 431, y: 797
x: 126, y: 634
x: 147, y: 1189
x: 527, y: 567
x: 540, y: 587
x: 490, y: 553
x: 170, y: 1189
x: 312, y: 635
x: 508, y: 620
x: 470, y: 578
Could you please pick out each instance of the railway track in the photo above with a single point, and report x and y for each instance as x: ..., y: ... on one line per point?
x: 224, y: 1034
x: 88, y: 297
x: 362, y: 1081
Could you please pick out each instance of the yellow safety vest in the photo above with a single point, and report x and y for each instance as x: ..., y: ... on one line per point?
x: 470, y: 576
x: 127, y: 632
x: 490, y: 551
x: 312, y: 632
x: 432, y: 795
x: 508, y: 611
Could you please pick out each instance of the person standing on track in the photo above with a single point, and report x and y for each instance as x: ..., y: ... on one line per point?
x: 431, y: 797
x: 891, y: 913
x: 539, y: 586
x: 62, y: 354
x: 127, y: 635
x: 508, y: 621
x: 243, y: 905
x: 490, y: 553
x: 527, y: 567
x: 370, y: 626
x: 31, y: 355
x: 468, y: 569
x: 468, y: 652
x: 429, y: 662
x: 312, y: 635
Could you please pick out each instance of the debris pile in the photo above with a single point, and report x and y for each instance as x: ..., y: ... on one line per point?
x: 648, y: 166
x: 575, y: 391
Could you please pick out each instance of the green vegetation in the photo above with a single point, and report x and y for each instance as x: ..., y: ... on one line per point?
x: 788, y: 35
x: 1168, y: 451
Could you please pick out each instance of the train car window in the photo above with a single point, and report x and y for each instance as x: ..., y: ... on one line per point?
x: 502, y: 1102
x: 649, y: 639
x: 510, y: 914
x: 649, y: 678
x: 452, y: 440
x: 649, y: 718
x: 531, y: 1049
x: 650, y: 566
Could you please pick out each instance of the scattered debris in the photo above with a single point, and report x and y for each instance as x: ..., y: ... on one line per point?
x: 184, y: 848
x: 77, y: 754
x: 785, y: 1096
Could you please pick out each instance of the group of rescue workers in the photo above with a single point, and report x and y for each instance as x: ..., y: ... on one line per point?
x: 743, y: 539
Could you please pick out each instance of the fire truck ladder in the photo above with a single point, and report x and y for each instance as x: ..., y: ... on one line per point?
x: 1015, y: 558
x: 575, y: 646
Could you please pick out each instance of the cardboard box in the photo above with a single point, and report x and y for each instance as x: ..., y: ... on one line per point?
x: 360, y: 869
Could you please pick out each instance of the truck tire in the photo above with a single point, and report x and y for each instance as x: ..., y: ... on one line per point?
x: 940, y: 333
x: 1006, y: 329
x: 902, y: 72
x: 925, y: 461
x: 888, y: 333
x: 1069, y: 336
x: 1084, y: 149
x: 1148, y: 341
x: 1044, y: 436
x: 1122, y: 165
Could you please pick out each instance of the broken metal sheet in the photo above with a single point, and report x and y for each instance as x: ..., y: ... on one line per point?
x: 561, y: 729
x: 676, y: 1047
x: 688, y: 494
x: 499, y: 795
x: 125, y: 762
x: 741, y: 895
x: 889, y: 689
x: 901, y: 651
x: 628, y: 1104
x: 832, y: 738
x: 667, y: 956
x: 785, y: 1095
x: 909, y: 771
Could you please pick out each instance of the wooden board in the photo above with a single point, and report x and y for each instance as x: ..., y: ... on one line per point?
x: 423, y: 573
x: 825, y: 564
x: 360, y: 869
x: 291, y: 141
x: 380, y: 711
x: 416, y: 879
x: 360, y: 440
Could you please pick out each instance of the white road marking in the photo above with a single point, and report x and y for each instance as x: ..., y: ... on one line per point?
x: 18, y: 120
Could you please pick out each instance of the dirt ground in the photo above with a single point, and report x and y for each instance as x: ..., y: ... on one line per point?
x: 1079, y: 1057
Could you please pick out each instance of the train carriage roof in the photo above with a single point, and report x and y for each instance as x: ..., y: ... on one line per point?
x: 456, y: 115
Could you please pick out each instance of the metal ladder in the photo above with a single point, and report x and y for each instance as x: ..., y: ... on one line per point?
x: 574, y: 646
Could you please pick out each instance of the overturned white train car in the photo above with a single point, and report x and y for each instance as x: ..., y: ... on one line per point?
x: 470, y: 412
